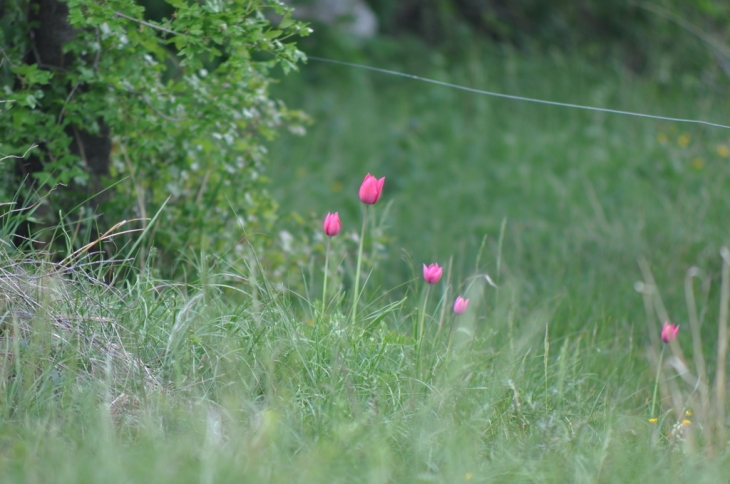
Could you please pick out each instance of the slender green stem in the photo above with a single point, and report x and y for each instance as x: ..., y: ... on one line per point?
x: 722, y: 346
x: 423, y: 316
x: 546, y: 358
x: 498, y: 280
x: 656, y: 382
x: 451, y: 334
x: 419, y: 337
x: 326, y: 273
x: 356, y: 294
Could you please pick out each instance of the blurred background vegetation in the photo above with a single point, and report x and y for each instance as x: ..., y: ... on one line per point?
x: 584, y: 194
x: 647, y: 37
x: 659, y: 39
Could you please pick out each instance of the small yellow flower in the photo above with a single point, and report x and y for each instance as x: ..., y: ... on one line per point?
x: 698, y: 163
x: 684, y: 140
x: 686, y: 422
x: 468, y: 476
x: 337, y: 186
x: 653, y: 420
x: 688, y: 413
x: 723, y: 151
x: 662, y: 138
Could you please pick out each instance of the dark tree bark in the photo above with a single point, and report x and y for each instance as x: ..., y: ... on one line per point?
x: 47, y: 40
x: 50, y: 33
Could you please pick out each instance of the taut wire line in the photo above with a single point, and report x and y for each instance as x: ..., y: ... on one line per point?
x: 516, y: 98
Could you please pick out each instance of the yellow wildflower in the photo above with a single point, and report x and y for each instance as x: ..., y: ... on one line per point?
x: 684, y: 140
x: 698, y: 163
x: 723, y: 151
x: 653, y: 420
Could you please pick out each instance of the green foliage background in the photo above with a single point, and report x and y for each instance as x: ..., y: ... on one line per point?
x: 670, y: 36
x: 188, y: 105
x: 185, y: 89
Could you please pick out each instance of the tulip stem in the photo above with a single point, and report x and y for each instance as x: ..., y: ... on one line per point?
x: 423, y: 316
x: 356, y: 294
x: 326, y: 273
x: 656, y: 381
x: 451, y: 335
x: 419, y: 335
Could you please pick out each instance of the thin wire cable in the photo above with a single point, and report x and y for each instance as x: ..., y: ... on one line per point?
x: 517, y: 98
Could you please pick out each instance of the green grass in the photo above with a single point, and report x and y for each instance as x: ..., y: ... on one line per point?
x: 187, y: 384
x: 585, y: 194
x: 547, y: 379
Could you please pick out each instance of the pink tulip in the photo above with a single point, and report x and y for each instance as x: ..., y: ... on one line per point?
x: 371, y: 189
x: 669, y: 332
x: 460, y: 305
x: 332, y: 224
x: 432, y: 273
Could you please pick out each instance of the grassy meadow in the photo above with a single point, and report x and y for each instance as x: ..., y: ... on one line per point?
x: 548, y: 377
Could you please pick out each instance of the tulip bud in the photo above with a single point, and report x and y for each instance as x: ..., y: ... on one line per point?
x: 460, y: 305
x: 371, y: 189
x: 432, y: 273
x: 669, y: 332
x: 332, y: 224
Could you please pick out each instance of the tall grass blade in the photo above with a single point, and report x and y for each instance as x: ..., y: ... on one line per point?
x: 722, y: 344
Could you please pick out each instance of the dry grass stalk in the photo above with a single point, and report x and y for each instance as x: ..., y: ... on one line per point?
x: 81, y: 313
x: 711, y: 418
x: 722, y: 343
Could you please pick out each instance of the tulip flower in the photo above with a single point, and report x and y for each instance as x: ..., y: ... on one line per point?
x: 332, y: 224
x: 370, y: 192
x: 432, y: 273
x: 669, y: 332
x: 332, y: 227
x: 460, y: 305
x: 371, y: 189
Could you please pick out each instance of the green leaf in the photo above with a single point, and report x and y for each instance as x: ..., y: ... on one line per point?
x: 31, y: 101
x: 31, y: 75
x: 285, y: 23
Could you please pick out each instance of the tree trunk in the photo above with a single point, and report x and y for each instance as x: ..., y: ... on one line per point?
x: 51, y: 32
x: 47, y: 40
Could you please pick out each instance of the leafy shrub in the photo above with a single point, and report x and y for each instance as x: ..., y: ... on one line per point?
x: 175, y: 110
